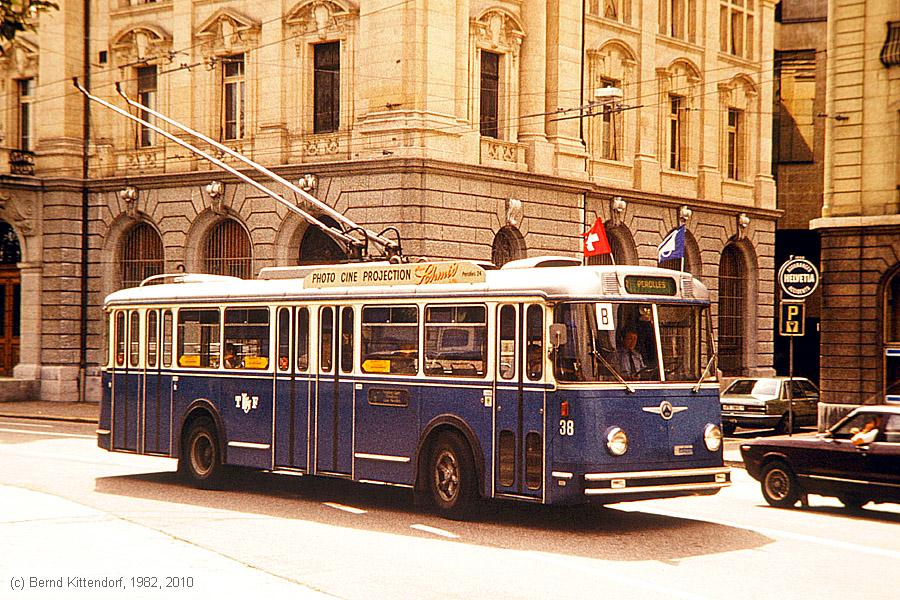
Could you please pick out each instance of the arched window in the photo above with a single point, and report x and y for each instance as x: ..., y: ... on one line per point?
x: 141, y: 255
x: 316, y: 248
x: 227, y: 250
x: 10, y: 251
x: 508, y: 245
x: 732, y: 278
x: 892, y: 337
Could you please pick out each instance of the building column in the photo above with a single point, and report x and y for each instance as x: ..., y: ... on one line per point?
x: 29, y: 366
x: 533, y: 65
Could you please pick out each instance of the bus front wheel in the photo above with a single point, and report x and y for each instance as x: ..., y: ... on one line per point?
x: 451, y: 476
x: 201, y: 458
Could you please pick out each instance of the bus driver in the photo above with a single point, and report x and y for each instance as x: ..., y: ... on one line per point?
x: 630, y: 360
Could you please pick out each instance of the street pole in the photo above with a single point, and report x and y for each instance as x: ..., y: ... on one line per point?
x: 791, y: 387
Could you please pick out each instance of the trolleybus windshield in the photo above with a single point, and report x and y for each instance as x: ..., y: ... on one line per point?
x: 612, y: 342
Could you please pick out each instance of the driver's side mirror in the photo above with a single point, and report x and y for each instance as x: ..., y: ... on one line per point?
x: 558, y: 335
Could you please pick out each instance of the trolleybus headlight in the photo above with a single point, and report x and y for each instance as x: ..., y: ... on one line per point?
x: 712, y: 437
x: 616, y: 441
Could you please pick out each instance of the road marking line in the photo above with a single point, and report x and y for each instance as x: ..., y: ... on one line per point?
x: 68, y: 435
x: 629, y: 581
x: 768, y: 531
x: 20, y: 424
x: 349, y: 509
x: 435, y: 531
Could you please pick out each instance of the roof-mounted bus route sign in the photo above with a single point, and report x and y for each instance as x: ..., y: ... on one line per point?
x: 416, y: 274
x: 798, y: 277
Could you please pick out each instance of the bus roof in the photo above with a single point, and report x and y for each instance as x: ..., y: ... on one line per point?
x: 323, y: 282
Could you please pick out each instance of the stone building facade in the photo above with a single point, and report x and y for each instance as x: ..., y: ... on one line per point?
x: 455, y: 121
x: 860, y: 222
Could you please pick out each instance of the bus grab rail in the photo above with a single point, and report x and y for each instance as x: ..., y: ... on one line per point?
x: 352, y: 244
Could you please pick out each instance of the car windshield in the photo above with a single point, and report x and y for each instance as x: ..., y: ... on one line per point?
x: 609, y: 341
x: 758, y: 388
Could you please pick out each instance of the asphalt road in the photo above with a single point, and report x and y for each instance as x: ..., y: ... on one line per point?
x: 73, y: 514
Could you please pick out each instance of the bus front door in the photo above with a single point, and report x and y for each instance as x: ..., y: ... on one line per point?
x: 519, y: 402
x: 334, y: 391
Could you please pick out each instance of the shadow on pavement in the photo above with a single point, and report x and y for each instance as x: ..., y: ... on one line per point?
x: 589, y: 531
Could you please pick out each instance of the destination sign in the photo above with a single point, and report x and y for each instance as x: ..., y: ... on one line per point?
x: 650, y: 286
x: 798, y: 277
x: 416, y: 274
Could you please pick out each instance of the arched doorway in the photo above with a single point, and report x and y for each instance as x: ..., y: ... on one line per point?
x: 732, y: 294
x: 10, y: 298
x: 508, y: 245
x: 317, y: 248
x: 227, y: 250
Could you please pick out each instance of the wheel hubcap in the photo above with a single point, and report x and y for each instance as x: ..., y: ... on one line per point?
x: 202, y: 454
x: 446, y: 476
x: 778, y: 485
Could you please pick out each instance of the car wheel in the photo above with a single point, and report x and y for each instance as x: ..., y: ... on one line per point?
x: 779, y: 485
x: 728, y: 429
x: 201, y: 458
x: 451, y: 476
x: 782, y: 427
x: 853, y: 502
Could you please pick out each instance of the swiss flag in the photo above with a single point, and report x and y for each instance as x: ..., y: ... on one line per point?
x: 595, y: 241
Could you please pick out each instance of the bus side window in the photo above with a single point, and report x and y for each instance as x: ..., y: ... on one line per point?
x: 246, y: 338
x: 506, y: 358
x: 455, y: 340
x: 167, y: 339
x: 120, y: 339
x: 302, y: 338
x: 152, y: 338
x: 198, y: 338
x: 346, y: 339
x: 390, y: 340
x: 534, y: 342
x: 326, y: 336
x: 134, y: 338
x: 284, y: 339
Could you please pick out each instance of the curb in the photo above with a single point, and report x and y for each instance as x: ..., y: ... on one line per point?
x: 49, y: 418
x: 738, y: 464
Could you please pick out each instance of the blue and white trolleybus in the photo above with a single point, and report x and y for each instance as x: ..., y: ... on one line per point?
x: 547, y: 384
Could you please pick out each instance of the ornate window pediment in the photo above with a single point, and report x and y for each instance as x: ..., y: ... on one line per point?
x: 612, y: 61
x: 145, y: 43
x: 739, y: 93
x: 680, y: 78
x: 499, y: 31
x: 20, y: 58
x: 227, y: 32
x: 323, y: 19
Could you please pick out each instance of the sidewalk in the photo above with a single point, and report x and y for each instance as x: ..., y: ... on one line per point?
x: 74, y: 412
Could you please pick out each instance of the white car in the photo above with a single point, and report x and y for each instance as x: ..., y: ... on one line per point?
x: 763, y: 402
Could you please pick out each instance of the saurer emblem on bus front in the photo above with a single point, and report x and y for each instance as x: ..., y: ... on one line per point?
x: 245, y: 402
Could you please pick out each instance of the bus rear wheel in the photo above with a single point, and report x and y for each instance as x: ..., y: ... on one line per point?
x: 451, y: 476
x: 201, y: 458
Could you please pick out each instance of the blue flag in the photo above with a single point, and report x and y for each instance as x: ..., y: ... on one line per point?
x: 671, y: 248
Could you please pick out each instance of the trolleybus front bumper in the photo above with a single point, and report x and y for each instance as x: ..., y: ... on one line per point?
x: 647, y: 484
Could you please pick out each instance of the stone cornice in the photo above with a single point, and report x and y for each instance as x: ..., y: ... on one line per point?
x: 825, y: 223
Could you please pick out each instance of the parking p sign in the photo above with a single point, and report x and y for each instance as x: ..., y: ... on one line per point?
x: 798, y: 277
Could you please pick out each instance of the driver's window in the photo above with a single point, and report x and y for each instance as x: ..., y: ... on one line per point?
x: 853, y: 426
x: 635, y: 339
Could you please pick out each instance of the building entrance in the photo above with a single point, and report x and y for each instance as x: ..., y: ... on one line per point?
x: 10, y: 299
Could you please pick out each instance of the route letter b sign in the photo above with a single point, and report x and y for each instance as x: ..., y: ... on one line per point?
x: 793, y: 316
